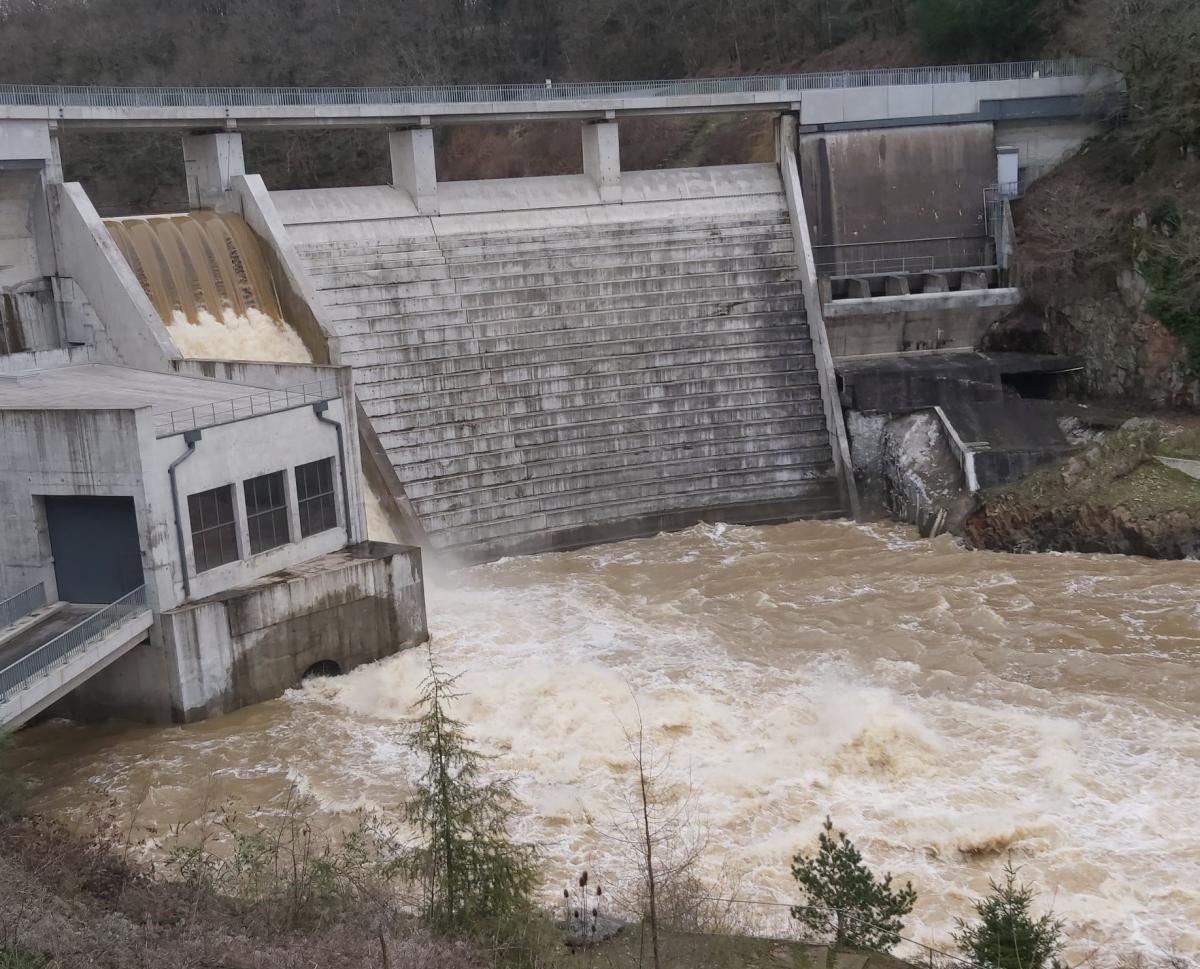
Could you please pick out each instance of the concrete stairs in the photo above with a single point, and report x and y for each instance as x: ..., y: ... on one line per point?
x: 549, y: 386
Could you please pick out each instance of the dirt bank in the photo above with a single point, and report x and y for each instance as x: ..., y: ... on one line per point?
x: 1117, y: 495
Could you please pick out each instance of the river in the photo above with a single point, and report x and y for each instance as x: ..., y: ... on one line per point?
x: 949, y: 709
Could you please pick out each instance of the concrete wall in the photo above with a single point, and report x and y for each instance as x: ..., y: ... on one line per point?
x: 27, y: 263
x: 63, y: 452
x: 895, y: 324
x: 548, y: 370
x: 1042, y: 143
x: 131, y: 332
x: 228, y: 652
x: 297, y: 298
x: 233, y: 453
x: 901, y: 183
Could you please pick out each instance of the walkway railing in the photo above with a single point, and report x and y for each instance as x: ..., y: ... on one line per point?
x: 39, y: 662
x: 22, y: 604
x: 903, y: 255
x: 240, y: 408
x: 42, y: 95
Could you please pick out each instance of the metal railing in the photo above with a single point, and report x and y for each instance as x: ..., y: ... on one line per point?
x: 903, y: 256
x: 43, y: 95
x: 22, y: 604
x: 16, y: 677
x: 240, y: 408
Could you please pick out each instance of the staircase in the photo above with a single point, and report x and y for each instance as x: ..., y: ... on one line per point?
x: 559, y: 385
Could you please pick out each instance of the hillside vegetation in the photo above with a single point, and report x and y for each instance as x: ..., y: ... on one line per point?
x: 366, y: 42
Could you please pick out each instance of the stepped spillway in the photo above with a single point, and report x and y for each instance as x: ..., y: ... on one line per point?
x: 558, y: 374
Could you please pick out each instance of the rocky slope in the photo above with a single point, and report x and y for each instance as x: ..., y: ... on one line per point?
x: 1115, y: 496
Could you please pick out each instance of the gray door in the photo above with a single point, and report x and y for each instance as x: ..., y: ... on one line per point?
x: 97, y: 556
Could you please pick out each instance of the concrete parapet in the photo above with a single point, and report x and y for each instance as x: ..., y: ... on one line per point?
x: 211, y: 161
x: 414, y: 167
x: 602, y: 158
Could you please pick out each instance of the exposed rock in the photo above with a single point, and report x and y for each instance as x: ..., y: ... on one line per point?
x: 918, y: 468
x: 1113, y: 497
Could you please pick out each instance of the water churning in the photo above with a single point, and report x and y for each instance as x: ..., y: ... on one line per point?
x: 946, y: 707
x: 207, y: 278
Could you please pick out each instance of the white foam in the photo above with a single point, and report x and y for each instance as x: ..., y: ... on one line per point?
x: 254, y: 336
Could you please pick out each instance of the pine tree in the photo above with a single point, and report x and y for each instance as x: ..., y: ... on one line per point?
x: 473, y: 877
x: 1007, y: 936
x: 841, y: 891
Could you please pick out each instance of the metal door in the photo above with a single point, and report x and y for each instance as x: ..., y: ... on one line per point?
x: 97, y: 555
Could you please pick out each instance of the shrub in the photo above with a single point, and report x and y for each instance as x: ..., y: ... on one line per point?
x: 842, y: 891
x: 1006, y: 935
x: 473, y: 878
x: 15, y: 956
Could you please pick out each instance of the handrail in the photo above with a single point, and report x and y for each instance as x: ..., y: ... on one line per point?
x: 15, y: 677
x: 22, y: 604
x: 239, y: 408
x: 45, y: 95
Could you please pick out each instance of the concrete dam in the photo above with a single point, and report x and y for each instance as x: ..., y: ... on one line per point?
x: 243, y: 399
x: 550, y: 371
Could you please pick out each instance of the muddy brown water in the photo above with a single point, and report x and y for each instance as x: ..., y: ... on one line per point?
x: 950, y: 709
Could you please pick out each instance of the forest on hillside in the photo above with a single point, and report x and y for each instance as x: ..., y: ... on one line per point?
x: 366, y: 42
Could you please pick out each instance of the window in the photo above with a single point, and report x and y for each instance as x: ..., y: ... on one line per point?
x: 315, y: 496
x: 214, y: 534
x: 266, y: 512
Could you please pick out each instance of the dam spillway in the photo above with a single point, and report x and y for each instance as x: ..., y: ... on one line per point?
x: 205, y: 274
x: 547, y: 371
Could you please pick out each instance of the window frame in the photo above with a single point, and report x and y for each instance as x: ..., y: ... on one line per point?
x: 278, y: 516
x: 323, y: 500
x: 223, y: 529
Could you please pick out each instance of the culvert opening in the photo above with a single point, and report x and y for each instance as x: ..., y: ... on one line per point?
x: 324, y: 667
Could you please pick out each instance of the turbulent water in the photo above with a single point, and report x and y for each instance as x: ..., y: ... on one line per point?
x: 948, y: 709
x: 248, y: 336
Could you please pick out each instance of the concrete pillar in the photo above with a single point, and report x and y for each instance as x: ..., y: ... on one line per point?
x: 896, y: 286
x: 934, y: 283
x: 210, y: 162
x: 858, y: 288
x: 602, y: 158
x: 974, y: 279
x: 785, y: 136
x: 29, y: 166
x: 414, y: 167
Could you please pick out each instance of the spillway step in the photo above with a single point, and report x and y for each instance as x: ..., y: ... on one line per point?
x: 555, y: 474
x: 437, y: 324
x: 451, y: 293
x: 613, y: 522
x: 414, y: 312
x: 655, y: 491
x: 592, y: 388
x: 444, y: 285
x: 475, y: 422
x: 504, y: 361
x: 377, y: 350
